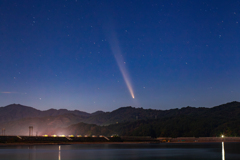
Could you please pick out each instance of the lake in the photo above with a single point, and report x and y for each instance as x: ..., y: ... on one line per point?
x: 163, y: 151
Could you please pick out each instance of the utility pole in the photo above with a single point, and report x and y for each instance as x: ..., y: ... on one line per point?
x: 3, y: 131
x: 30, y: 130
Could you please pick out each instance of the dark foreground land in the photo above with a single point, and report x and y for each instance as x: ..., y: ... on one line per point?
x: 53, y: 140
x: 8, y: 140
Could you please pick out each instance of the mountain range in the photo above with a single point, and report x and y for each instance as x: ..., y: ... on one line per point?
x: 124, y: 121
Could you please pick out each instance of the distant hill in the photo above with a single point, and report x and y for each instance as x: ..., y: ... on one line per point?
x: 41, y: 125
x: 126, y: 114
x: 16, y: 112
x: 187, y: 121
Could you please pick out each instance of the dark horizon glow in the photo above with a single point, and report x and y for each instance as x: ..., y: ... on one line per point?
x: 67, y: 54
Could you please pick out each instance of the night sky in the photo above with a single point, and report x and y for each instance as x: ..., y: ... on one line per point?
x: 98, y: 54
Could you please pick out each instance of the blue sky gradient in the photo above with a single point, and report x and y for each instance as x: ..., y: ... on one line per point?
x: 58, y: 54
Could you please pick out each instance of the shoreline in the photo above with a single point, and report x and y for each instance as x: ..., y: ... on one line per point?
x: 76, y: 143
x: 39, y: 140
x: 70, y: 143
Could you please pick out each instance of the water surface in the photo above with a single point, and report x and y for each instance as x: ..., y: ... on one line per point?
x: 167, y: 151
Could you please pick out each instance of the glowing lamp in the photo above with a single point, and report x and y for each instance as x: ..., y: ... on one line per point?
x: 61, y: 135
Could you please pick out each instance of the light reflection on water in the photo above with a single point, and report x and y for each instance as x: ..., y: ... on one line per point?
x: 59, y: 153
x: 223, y: 151
x: 188, y: 151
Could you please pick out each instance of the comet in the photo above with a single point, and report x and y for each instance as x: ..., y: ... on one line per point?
x: 120, y: 61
